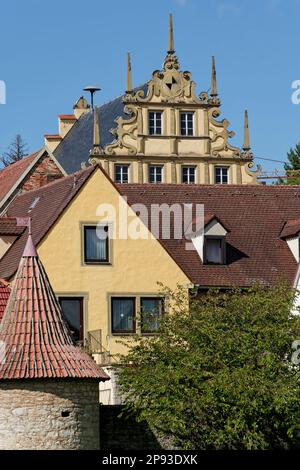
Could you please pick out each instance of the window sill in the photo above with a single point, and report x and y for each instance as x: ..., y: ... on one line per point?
x: 97, y: 263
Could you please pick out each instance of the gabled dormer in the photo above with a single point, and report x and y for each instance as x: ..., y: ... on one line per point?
x: 209, y: 240
x: 291, y: 233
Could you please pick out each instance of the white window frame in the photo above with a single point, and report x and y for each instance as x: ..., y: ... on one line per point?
x: 162, y: 173
x: 222, y: 167
x: 155, y: 123
x: 195, y: 174
x: 122, y: 165
x: 186, y: 113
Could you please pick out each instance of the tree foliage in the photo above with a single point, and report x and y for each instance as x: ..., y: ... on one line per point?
x: 219, y: 374
x: 17, y: 150
x: 292, y: 168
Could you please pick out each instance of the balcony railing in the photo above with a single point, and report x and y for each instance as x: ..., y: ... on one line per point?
x: 94, y: 346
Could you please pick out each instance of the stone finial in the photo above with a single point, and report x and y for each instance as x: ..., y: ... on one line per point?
x: 213, y: 86
x: 128, y: 75
x: 96, y: 149
x: 171, y: 49
x: 246, y: 145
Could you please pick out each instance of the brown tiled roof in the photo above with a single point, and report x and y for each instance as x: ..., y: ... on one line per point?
x: 291, y: 228
x: 4, y: 296
x: 8, y: 226
x: 254, y: 217
x: 44, y: 206
x: 37, y: 341
x: 12, y: 173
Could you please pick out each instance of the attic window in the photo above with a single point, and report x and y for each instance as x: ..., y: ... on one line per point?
x: 34, y: 203
x: 214, y: 250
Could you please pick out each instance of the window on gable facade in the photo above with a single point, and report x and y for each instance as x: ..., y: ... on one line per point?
x: 96, y: 244
x: 123, y: 315
x: 187, y: 123
x: 155, y: 173
x: 121, y: 173
x: 151, y: 312
x: 221, y: 175
x: 188, y: 174
x: 72, y: 308
x: 155, y: 122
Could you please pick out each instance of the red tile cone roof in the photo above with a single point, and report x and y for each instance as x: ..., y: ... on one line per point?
x: 36, y: 340
x: 4, y: 296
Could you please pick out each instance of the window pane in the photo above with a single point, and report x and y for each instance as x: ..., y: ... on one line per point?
x: 155, y: 173
x: 123, y: 315
x: 213, y: 250
x: 121, y: 173
x: 221, y: 175
x: 155, y: 126
x: 72, y: 312
x: 151, y: 311
x: 188, y: 174
x: 96, y: 244
x: 187, y: 123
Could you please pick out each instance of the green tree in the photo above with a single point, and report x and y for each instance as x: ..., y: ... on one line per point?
x: 17, y: 150
x: 292, y: 168
x: 219, y: 374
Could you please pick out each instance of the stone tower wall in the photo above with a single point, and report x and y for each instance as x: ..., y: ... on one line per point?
x: 49, y: 414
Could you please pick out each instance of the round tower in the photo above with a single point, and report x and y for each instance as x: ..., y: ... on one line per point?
x: 49, y: 388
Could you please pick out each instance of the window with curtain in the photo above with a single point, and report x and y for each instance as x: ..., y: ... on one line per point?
x: 151, y: 312
x: 96, y: 244
x: 214, y: 250
x: 72, y: 308
x: 123, y: 314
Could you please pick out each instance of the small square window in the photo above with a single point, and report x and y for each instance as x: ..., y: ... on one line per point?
x: 155, y: 122
x: 188, y: 174
x: 214, y: 250
x: 221, y: 174
x: 96, y: 244
x: 151, y: 312
x: 187, y: 123
x: 121, y: 173
x: 123, y: 314
x: 155, y: 173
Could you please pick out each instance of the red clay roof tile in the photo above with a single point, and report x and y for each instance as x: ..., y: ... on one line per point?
x: 11, y: 174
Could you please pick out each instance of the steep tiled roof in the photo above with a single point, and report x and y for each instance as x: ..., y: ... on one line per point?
x: 254, y: 217
x: 44, y: 206
x: 76, y: 145
x: 37, y: 341
x: 4, y: 295
x: 12, y: 173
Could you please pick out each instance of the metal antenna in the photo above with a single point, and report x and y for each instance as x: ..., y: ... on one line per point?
x: 92, y: 90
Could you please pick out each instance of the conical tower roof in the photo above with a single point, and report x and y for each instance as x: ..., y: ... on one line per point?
x: 35, y: 340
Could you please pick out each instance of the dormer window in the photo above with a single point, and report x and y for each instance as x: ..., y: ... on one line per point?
x: 155, y: 122
x: 214, y: 250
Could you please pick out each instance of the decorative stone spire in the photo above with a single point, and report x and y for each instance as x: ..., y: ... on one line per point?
x: 96, y: 149
x: 37, y: 342
x: 171, y: 49
x: 246, y: 146
x: 171, y: 61
x: 128, y: 75
x: 213, y: 86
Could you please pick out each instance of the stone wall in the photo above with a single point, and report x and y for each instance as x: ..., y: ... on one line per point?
x: 49, y: 414
x: 42, y: 173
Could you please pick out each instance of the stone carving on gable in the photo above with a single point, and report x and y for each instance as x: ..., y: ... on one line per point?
x: 125, y: 133
x: 219, y: 135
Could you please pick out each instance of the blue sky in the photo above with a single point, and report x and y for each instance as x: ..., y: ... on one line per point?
x: 50, y: 50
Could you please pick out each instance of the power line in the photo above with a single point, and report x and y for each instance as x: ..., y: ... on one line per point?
x: 269, y: 159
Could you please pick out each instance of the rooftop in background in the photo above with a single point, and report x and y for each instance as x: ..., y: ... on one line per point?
x: 4, y: 296
x: 253, y: 216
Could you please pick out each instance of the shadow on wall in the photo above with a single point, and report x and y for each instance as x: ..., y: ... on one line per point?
x: 124, y: 432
